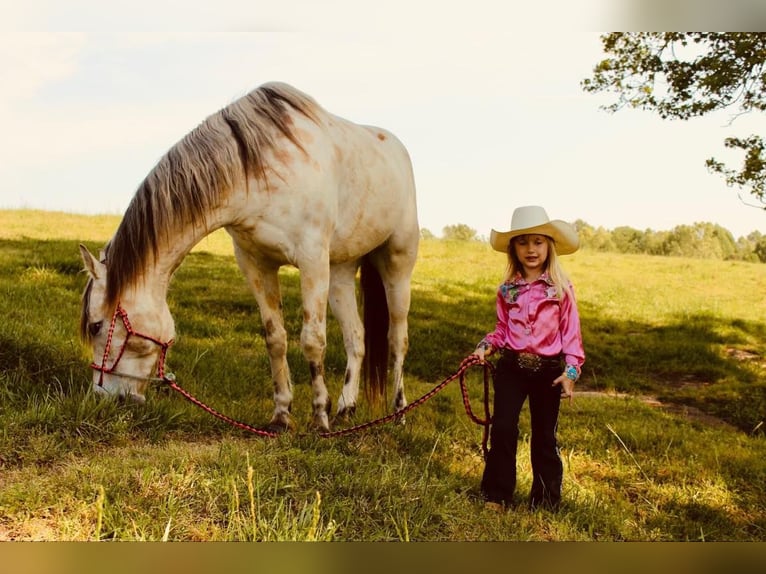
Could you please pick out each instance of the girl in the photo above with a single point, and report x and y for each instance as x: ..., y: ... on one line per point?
x: 541, y: 354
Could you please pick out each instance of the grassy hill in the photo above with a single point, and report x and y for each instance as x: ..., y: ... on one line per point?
x: 665, y: 439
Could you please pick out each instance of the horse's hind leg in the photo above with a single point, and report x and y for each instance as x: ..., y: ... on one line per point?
x: 398, y: 295
x: 344, y: 306
x: 263, y: 280
x: 395, y: 266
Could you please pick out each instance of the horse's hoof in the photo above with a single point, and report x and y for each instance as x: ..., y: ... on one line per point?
x: 280, y: 425
x: 400, y: 405
x: 345, y: 414
x: 321, y: 422
x: 273, y: 428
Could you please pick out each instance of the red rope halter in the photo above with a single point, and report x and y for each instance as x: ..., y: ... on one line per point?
x: 130, y: 332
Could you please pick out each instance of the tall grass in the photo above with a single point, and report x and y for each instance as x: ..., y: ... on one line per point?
x: 687, y: 333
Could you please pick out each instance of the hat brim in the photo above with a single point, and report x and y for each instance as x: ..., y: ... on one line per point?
x: 562, y: 233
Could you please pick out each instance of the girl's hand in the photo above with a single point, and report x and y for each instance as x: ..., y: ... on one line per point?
x: 567, y: 386
x: 483, y: 351
x: 479, y: 352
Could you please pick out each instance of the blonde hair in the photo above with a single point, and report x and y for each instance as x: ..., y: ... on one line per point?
x: 557, y: 274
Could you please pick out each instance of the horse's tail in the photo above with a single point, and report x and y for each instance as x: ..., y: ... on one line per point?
x: 375, y: 366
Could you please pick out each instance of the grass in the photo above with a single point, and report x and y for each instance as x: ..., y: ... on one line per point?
x: 686, y: 332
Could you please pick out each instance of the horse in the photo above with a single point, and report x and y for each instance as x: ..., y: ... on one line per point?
x: 292, y: 184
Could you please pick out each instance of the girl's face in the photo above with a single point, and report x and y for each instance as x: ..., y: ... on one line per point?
x: 532, y: 251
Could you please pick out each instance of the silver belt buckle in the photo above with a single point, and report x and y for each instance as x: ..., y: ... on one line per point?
x: 530, y: 361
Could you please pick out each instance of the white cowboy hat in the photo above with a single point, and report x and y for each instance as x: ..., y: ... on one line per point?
x: 533, y: 219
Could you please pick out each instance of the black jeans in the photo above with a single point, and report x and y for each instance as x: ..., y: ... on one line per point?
x: 512, y: 385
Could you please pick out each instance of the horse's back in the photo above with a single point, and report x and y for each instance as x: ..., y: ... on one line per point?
x: 332, y: 181
x: 374, y: 183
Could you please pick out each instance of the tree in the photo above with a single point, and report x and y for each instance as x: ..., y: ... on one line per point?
x: 760, y: 249
x: 459, y: 232
x: 704, y: 240
x: 681, y: 75
x: 629, y: 240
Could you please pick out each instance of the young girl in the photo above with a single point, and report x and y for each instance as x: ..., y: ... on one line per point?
x: 541, y: 354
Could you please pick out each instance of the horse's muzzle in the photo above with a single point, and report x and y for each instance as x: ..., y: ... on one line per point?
x: 122, y: 396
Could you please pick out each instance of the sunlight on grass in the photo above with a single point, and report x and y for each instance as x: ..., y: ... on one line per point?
x: 39, y: 276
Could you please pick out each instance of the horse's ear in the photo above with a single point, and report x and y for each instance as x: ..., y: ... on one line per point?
x: 92, y: 265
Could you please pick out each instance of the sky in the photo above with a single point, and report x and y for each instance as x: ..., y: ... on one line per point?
x: 485, y: 95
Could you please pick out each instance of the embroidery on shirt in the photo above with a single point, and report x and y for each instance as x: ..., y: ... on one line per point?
x: 509, y: 292
x: 550, y: 292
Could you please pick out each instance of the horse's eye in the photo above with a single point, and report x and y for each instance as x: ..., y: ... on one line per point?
x: 94, y: 328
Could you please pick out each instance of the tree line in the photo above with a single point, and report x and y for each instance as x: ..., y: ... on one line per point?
x: 699, y: 240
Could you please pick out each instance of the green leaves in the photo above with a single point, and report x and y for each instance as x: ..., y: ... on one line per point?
x: 682, y: 75
x: 685, y: 75
x: 753, y: 171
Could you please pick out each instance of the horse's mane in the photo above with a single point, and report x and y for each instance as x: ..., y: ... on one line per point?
x: 198, y: 173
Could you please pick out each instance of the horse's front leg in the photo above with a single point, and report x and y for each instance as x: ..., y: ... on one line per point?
x: 263, y: 280
x: 315, y: 279
x: 344, y: 307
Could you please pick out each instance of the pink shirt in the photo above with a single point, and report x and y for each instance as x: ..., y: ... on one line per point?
x: 532, y: 319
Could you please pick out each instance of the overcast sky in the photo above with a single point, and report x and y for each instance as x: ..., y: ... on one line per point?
x: 485, y: 95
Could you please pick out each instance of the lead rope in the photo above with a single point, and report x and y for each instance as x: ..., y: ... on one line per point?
x: 467, y: 363
x: 170, y: 380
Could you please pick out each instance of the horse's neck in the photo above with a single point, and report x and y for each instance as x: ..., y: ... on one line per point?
x: 178, y: 245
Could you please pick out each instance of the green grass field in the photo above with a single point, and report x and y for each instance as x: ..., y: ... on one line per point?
x: 664, y: 441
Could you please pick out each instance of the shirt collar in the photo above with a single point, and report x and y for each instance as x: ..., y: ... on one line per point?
x: 545, y: 278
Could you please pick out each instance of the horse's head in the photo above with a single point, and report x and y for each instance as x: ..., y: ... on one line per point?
x: 129, y: 337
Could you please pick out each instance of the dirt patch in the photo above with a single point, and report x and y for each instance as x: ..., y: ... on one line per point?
x: 743, y: 354
x: 689, y: 412
x: 688, y: 381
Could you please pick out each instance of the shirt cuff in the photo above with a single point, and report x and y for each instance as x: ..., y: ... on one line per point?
x: 484, y: 344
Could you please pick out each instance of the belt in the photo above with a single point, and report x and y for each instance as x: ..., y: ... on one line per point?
x: 530, y: 361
